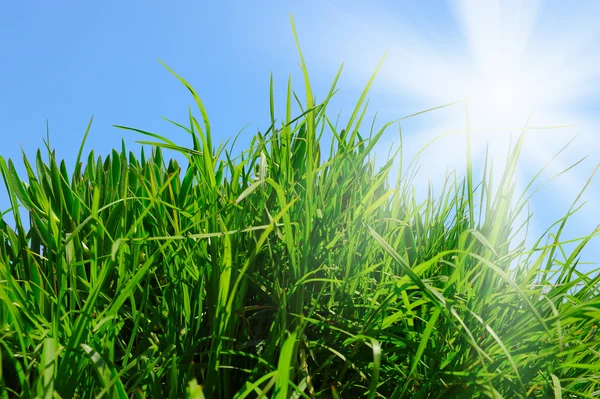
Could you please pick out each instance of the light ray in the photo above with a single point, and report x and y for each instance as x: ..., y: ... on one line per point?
x: 518, y: 59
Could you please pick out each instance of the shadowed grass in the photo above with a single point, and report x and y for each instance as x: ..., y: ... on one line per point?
x: 283, y: 272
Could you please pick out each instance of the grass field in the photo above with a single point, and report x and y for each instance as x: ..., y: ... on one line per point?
x: 284, y: 271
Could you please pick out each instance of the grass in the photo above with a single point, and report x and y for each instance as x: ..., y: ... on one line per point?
x: 285, y: 272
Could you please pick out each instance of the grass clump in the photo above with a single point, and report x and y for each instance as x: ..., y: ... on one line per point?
x: 284, y: 272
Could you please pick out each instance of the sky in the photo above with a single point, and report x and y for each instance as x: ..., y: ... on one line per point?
x: 63, y: 62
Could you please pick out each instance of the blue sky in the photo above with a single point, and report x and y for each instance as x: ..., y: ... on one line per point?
x: 66, y: 61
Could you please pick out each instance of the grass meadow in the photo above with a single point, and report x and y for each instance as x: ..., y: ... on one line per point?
x: 295, y: 268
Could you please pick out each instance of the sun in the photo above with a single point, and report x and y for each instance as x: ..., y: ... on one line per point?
x: 502, y: 96
x: 499, y: 101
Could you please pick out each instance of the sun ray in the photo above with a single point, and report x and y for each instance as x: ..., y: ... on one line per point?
x: 519, y: 62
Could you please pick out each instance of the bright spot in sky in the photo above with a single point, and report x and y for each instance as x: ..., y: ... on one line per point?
x: 503, y: 95
x: 517, y: 63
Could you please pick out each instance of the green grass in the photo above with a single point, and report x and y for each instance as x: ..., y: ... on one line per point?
x: 284, y: 272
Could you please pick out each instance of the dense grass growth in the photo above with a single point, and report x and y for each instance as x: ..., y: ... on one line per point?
x: 283, y: 272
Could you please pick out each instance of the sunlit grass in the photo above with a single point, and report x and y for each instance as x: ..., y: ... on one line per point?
x: 284, y: 271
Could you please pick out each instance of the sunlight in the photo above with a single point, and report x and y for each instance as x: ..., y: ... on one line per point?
x: 514, y: 66
x: 503, y: 95
x: 508, y: 77
x: 496, y: 98
x: 508, y: 68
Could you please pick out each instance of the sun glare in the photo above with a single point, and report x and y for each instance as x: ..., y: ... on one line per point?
x: 503, y: 95
x: 497, y: 101
x: 515, y: 66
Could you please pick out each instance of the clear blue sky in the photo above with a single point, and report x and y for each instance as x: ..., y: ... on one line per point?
x: 66, y: 61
